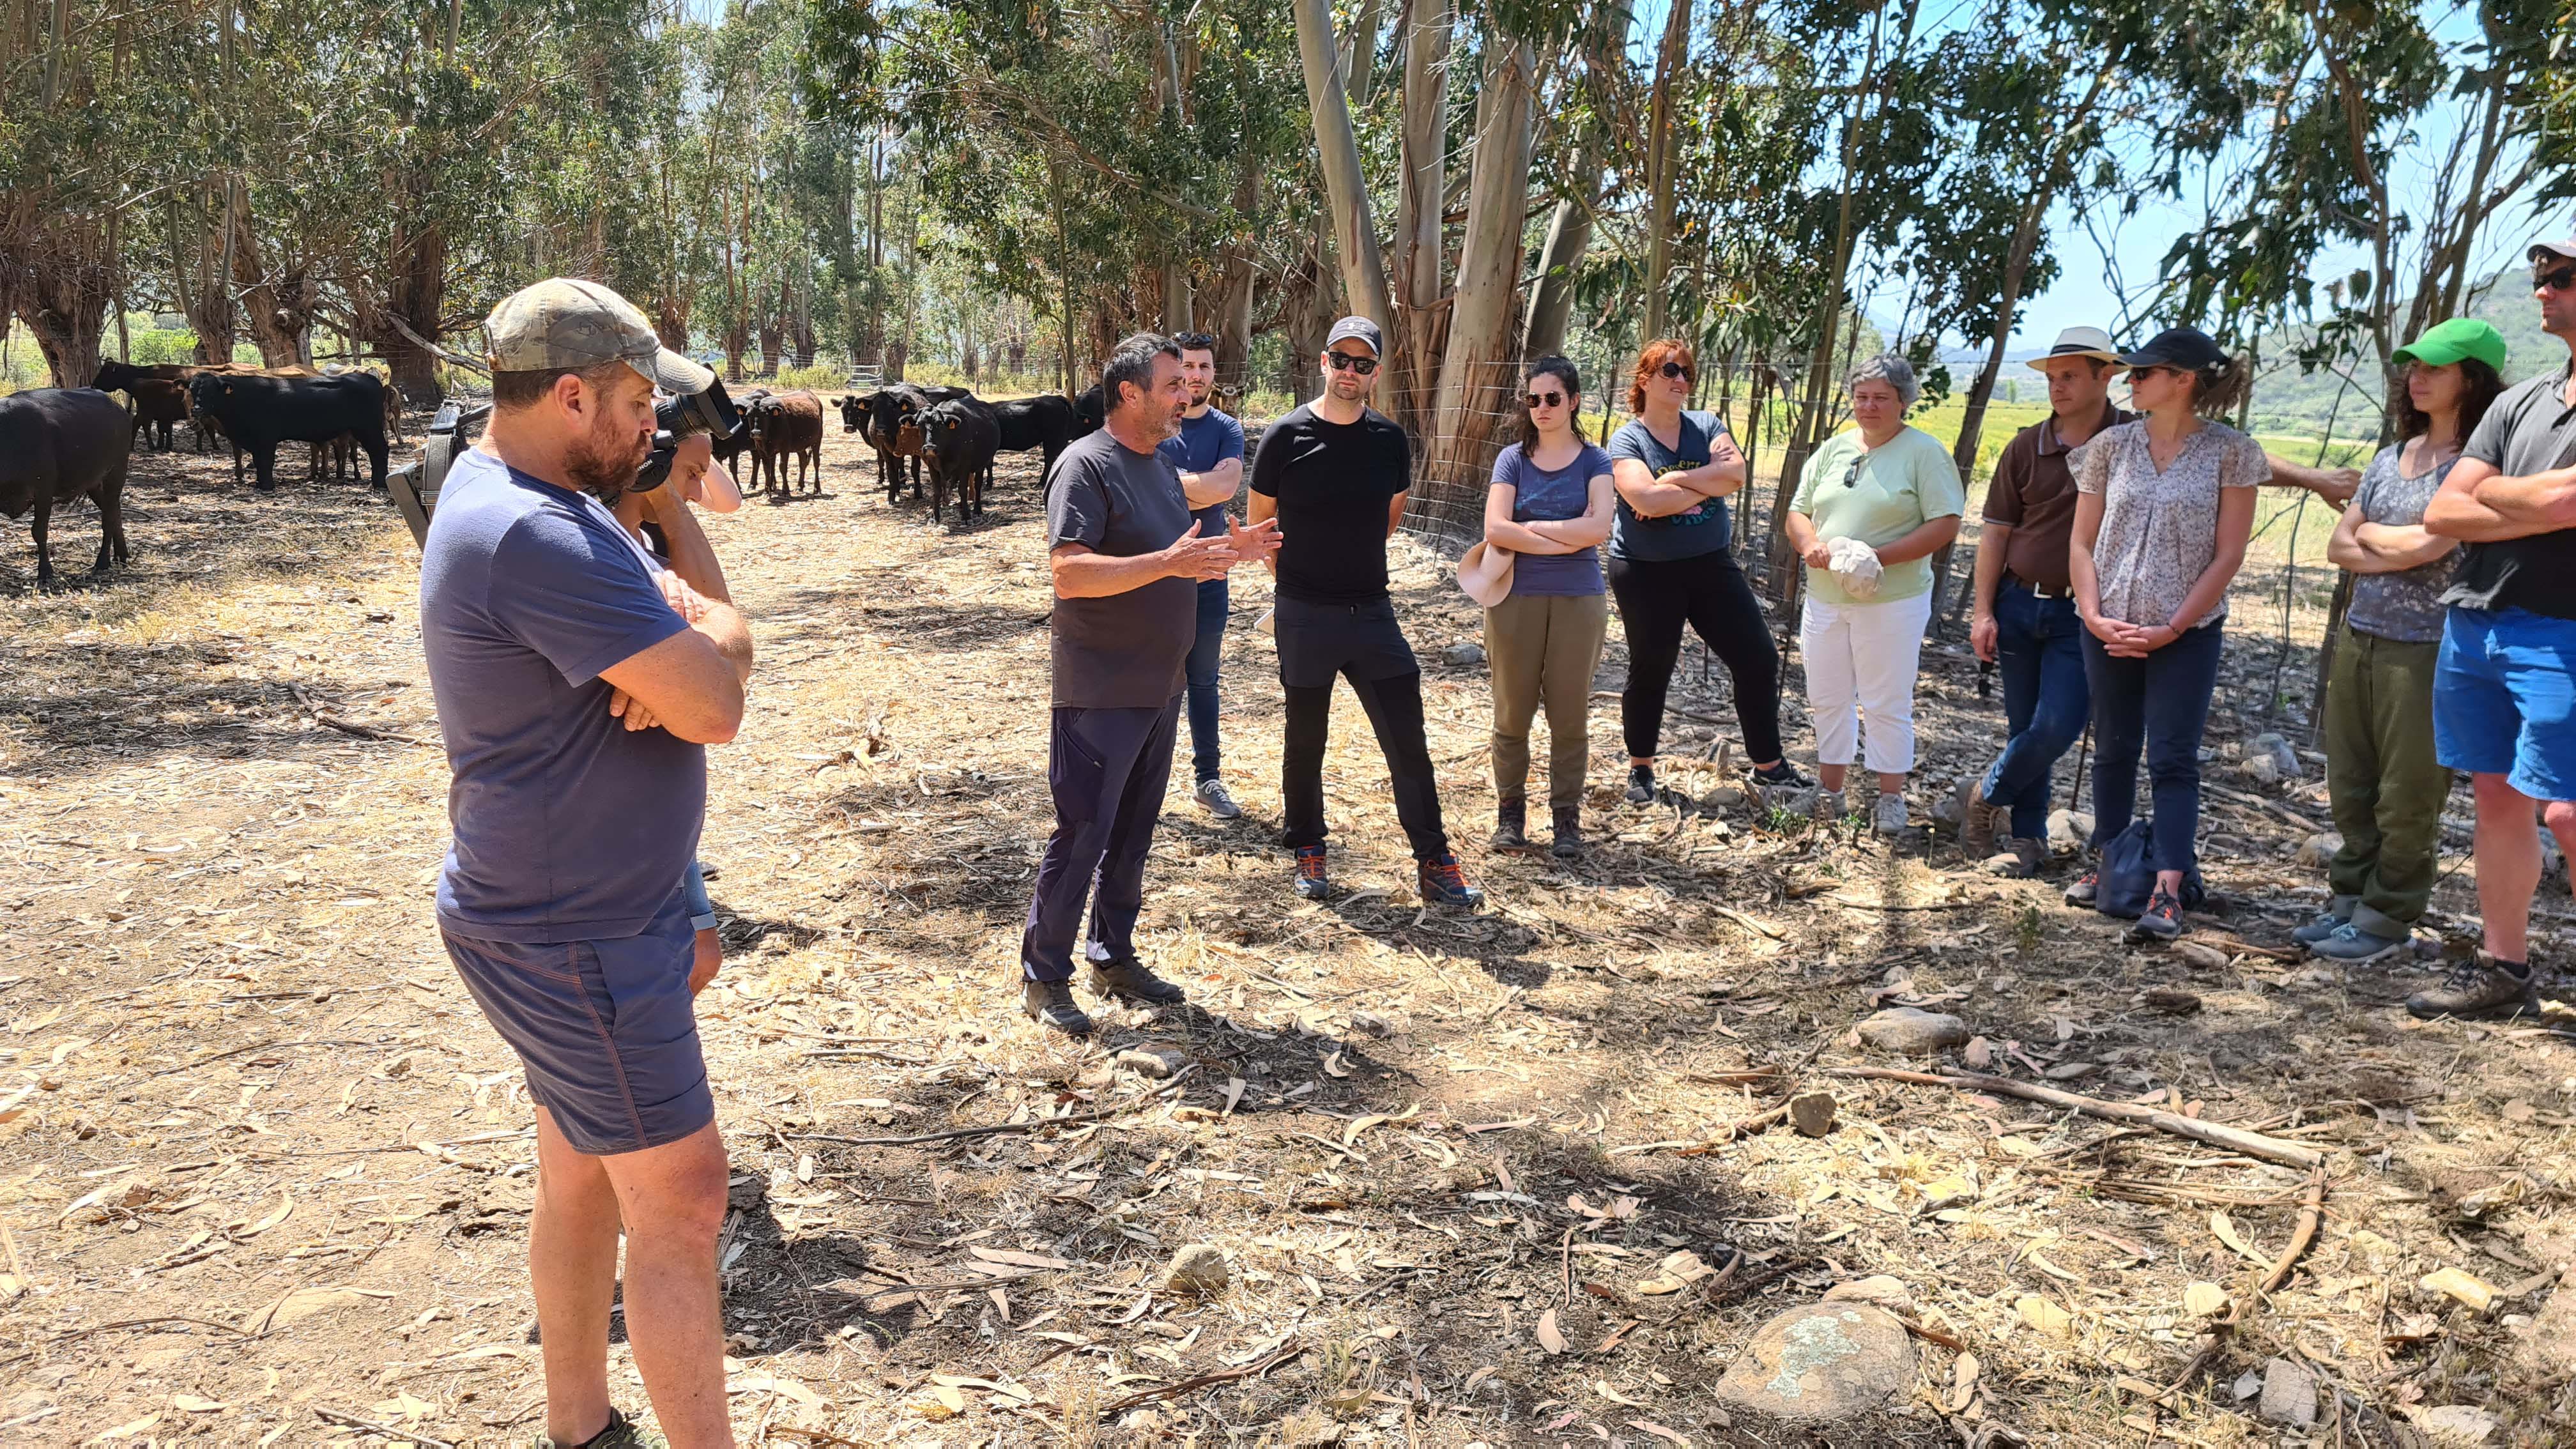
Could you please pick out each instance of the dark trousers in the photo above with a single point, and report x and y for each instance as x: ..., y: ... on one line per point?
x: 2039, y: 651
x: 2159, y: 704
x: 1394, y: 707
x: 1214, y: 609
x: 1710, y: 594
x: 1107, y: 769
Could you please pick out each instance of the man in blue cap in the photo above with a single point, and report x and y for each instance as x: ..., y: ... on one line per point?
x: 2504, y: 698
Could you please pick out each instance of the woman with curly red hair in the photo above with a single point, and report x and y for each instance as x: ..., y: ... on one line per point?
x: 1669, y: 567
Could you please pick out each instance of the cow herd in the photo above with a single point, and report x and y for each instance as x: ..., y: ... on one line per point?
x: 956, y: 435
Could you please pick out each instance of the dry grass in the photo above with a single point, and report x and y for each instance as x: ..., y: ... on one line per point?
x: 223, y: 993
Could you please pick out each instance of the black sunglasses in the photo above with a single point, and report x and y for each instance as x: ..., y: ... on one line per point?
x: 1344, y: 362
x: 1544, y: 399
x: 1675, y: 369
x: 1851, y: 475
x: 2556, y: 279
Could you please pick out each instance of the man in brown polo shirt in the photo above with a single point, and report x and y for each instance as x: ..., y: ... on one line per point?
x: 2025, y: 621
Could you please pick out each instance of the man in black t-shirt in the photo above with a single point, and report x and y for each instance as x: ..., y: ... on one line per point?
x: 1335, y: 474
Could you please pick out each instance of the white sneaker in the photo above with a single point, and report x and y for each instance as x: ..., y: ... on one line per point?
x: 1212, y: 798
x: 1889, y: 819
x: 1829, y: 807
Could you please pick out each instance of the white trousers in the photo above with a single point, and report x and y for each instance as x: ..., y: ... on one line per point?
x: 1864, y: 656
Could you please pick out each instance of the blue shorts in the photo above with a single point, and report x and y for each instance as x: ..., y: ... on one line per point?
x: 605, y: 1030
x: 2504, y: 699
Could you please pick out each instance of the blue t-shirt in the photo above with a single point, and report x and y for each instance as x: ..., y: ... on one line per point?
x: 1542, y: 495
x: 1202, y: 443
x: 1689, y: 533
x: 568, y: 827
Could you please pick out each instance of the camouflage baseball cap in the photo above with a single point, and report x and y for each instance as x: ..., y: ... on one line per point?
x: 566, y: 322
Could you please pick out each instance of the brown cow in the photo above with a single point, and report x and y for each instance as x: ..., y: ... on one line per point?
x: 782, y: 425
x: 158, y: 405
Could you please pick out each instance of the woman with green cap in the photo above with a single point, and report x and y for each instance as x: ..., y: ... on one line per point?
x: 2385, y: 785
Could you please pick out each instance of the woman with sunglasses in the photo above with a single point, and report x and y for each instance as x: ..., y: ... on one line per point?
x: 1873, y: 506
x: 1550, y: 507
x: 2163, y: 508
x: 1670, y: 566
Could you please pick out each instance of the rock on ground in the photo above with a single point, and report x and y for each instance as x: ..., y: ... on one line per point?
x: 2069, y: 829
x: 1884, y: 1289
x: 1464, y: 653
x: 2317, y: 849
x: 2289, y: 1394
x: 1153, y: 1059
x: 1196, y: 1269
x: 1822, y: 1361
x: 1909, y: 1029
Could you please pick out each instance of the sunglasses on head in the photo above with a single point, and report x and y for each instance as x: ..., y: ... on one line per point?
x: 1674, y: 369
x: 1344, y: 362
x: 1544, y: 399
x: 2555, y: 279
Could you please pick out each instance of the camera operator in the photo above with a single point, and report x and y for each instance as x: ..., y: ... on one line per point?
x: 557, y: 901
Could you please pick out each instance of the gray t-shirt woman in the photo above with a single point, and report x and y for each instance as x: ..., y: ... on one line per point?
x: 2405, y: 606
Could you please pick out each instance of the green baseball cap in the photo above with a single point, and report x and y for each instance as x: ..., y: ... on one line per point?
x: 566, y: 322
x: 2450, y: 341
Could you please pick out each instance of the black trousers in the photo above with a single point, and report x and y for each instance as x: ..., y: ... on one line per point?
x: 1107, y: 769
x: 1362, y: 645
x: 1711, y: 595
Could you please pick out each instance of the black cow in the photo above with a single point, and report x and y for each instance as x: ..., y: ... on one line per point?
x: 733, y: 445
x: 1090, y: 413
x: 58, y: 444
x: 259, y: 412
x: 1045, y: 421
x: 958, y: 438
x: 894, y: 429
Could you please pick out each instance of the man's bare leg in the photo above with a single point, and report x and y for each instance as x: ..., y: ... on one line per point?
x: 2508, y: 857
x: 673, y: 1201
x: 572, y: 1268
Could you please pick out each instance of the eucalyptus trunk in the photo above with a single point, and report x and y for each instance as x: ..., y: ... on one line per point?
x: 1337, y: 148
x: 1660, y: 155
x: 1422, y: 188
x: 1476, y: 367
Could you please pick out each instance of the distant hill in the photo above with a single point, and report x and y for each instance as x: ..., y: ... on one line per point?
x: 2286, y: 399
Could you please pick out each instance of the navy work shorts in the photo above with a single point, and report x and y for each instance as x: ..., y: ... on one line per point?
x: 605, y: 1030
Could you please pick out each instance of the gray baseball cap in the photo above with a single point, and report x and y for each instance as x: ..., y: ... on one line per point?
x: 565, y: 322
x: 1357, y: 329
x: 2563, y: 250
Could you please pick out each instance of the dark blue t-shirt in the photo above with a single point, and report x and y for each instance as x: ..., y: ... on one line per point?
x: 1202, y: 443
x: 1700, y: 529
x: 568, y: 827
x: 1540, y: 495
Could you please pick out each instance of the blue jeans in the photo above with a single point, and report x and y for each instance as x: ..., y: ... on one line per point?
x: 2504, y: 699
x: 1214, y: 608
x: 2159, y: 703
x: 2039, y: 651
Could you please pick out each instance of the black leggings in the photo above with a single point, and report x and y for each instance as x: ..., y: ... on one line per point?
x: 1394, y: 707
x: 1710, y: 594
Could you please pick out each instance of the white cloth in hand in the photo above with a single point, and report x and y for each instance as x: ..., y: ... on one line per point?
x: 1855, y: 566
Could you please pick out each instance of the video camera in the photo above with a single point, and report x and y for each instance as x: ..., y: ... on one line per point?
x: 711, y: 412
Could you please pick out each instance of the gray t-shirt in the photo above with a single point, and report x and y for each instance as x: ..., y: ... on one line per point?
x: 1540, y: 495
x: 568, y: 826
x: 2531, y: 429
x: 1700, y: 529
x: 1124, y: 651
x: 2405, y: 607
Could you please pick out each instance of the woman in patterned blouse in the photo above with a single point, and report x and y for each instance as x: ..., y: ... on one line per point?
x: 2163, y: 509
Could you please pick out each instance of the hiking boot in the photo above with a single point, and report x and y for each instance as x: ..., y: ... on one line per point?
x: 2479, y: 987
x: 621, y: 1433
x: 1977, y: 819
x: 1828, y: 808
x: 1889, y: 817
x: 1569, y: 832
x: 1214, y: 800
x: 2317, y: 930
x: 1443, y: 884
x: 2350, y: 945
x: 1050, y: 1004
x: 2162, y: 919
x: 1127, y: 979
x: 2084, y: 887
x: 1511, y: 825
x: 1778, y: 775
x: 1641, y: 784
x: 1312, y: 884
x: 2021, y: 858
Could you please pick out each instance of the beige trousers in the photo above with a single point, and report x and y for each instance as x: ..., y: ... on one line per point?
x: 1542, y: 650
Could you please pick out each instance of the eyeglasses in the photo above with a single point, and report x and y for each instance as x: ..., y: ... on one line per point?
x: 1344, y: 362
x: 1538, y: 400
x: 1674, y: 369
x: 1195, y: 342
x: 2556, y: 279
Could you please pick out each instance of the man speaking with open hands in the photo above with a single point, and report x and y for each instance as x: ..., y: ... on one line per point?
x: 560, y: 900
x: 1127, y: 559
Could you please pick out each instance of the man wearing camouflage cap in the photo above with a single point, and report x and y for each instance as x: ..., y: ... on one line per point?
x: 577, y: 690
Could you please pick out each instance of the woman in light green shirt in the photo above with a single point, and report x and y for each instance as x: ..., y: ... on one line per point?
x: 1873, y: 506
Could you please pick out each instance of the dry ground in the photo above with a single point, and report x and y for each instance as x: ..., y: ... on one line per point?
x: 264, y: 1171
